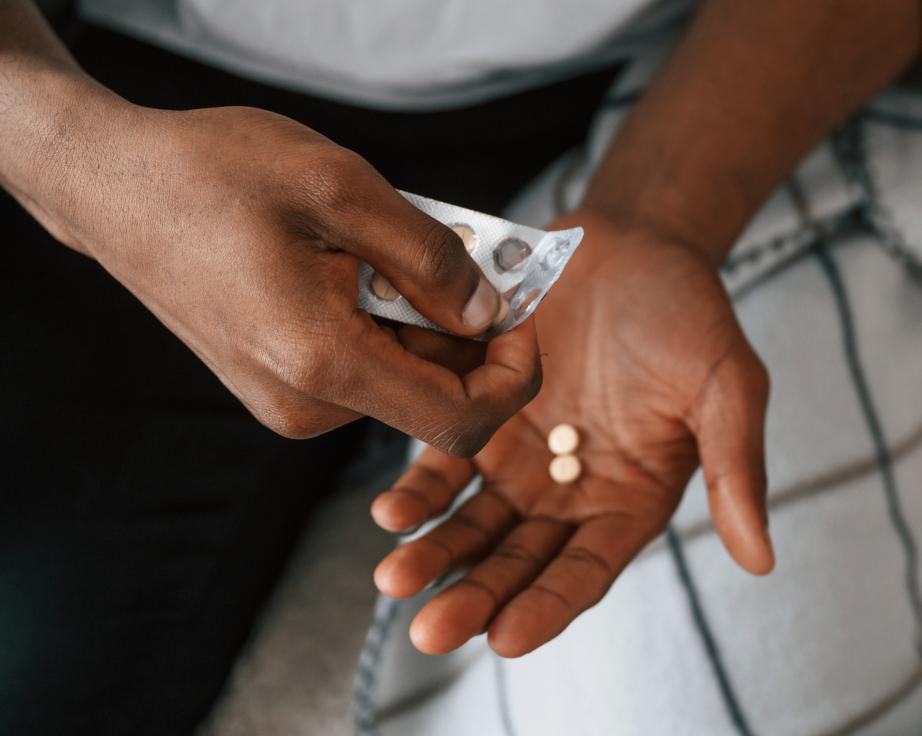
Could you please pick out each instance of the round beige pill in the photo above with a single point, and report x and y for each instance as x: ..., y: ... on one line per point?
x: 470, y: 239
x: 565, y: 469
x: 382, y: 288
x: 563, y: 439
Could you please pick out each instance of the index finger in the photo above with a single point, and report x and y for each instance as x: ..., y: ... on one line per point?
x: 574, y: 581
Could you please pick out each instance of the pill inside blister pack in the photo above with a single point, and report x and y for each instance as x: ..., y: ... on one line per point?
x: 521, y: 262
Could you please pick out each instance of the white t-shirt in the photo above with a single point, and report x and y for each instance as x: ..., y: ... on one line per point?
x: 399, y: 54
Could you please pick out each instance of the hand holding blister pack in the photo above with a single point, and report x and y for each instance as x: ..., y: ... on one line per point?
x: 521, y: 262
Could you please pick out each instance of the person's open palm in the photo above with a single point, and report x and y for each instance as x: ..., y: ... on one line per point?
x: 642, y: 353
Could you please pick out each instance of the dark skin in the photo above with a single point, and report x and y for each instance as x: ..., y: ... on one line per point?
x: 241, y: 230
x: 248, y: 253
x: 649, y: 411
x: 643, y: 352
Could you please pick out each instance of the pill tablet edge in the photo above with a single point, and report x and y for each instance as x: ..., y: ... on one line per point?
x: 563, y: 439
x: 565, y: 469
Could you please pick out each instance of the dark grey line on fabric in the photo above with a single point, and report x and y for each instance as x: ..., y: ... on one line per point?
x: 364, y: 716
x: 752, y: 255
x: 805, y: 489
x: 872, y: 420
x: 903, y: 122
x: 727, y: 692
x: 417, y: 698
x: 788, y: 251
x: 770, y: 258
x: 502, y: 697
x: 850, y: 150
x: 765, y: 277
x: 810, y: 487
x: 878, y: 709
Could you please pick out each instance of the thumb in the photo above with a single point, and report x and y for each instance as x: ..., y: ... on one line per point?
x: 729, y: 424
x: 422, y: 259
x: 432, y: 269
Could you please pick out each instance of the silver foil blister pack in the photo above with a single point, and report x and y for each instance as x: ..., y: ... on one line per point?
x: 521, y: 262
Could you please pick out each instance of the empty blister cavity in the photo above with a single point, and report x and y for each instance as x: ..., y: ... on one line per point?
x: 523, y: 301
x: 521, y: 262
x: 557, y: 255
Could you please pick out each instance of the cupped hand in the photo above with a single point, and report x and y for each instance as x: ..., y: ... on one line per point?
x: 242, y: 230
x: 643, y: 354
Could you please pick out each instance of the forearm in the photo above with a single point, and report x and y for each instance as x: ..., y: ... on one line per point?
x: 47, y: 106
x: 750, y: 89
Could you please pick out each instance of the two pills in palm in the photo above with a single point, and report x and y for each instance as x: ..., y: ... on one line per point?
x: 563, y: 441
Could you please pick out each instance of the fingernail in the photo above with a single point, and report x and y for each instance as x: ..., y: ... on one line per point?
x: 482, y: 307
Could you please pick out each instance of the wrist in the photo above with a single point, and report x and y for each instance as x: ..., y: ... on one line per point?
x: 610, y: 228
x: 57, y: 126
x: 704, y: 212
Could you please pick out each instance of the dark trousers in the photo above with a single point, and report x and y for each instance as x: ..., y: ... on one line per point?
x: 144, y: 515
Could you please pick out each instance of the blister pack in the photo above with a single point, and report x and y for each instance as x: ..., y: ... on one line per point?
x: 521, y: 262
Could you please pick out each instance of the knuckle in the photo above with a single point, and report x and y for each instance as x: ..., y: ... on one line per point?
x: 589, y: 560
x: 438, y: 256
x: 311, y: 374
x: 472, y: 523
x: 468, y: 438
x: 336, y: 179
x: 288, y: 419
x: 298, y: 362
x: 518, y: 553
x: 464, y: 444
